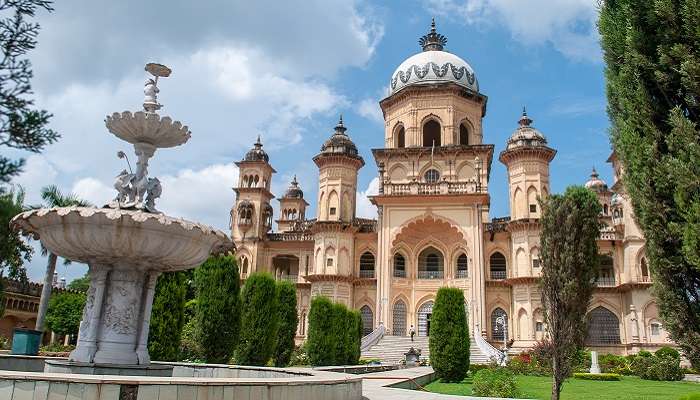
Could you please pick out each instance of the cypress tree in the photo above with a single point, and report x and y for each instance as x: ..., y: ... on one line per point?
x: 167, y: 316
x: 259, y: 320
x: 570, y: 230
x: 217, y: 311
x: 320, y: 342
x: 355, y: 332
x: 287, y: 315
x: 652, y: 56
x: 449, y: 336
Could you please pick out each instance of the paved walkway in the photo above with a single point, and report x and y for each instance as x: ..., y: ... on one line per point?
x: 374, y: 388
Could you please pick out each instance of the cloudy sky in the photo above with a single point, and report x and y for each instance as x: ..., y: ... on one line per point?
x: 285, y: 70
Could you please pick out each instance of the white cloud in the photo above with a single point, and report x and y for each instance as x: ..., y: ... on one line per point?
x: 369, y: 108
x: 38, y: 172
x: 568, y: 25
x: 94, y: 191
x: 364, y: 208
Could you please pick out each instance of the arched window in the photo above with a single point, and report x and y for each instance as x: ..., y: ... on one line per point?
x: 499, y: 325
x: 425, y: 312
x: 645, y: 270
x: 430, y: 264
x: 603, y: 327
x: 399, y: 266
x: 605, y: 209
x: 367, y: 265
x: 401, y: 138
x: 244, y: 266
x: 462, y: 266
x: 431, y: 176
x: 463, y: 135
x: 367, y: 320
x: 431, y: 134
x: 606, y: 274
x: 399, y: 318
x: 497, y: 266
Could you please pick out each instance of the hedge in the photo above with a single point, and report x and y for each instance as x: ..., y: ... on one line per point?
x: 334, y: 334
x: 167, y: 316
x: 259, y: 320
x: 597, y: 377
x: 449, y: 336
x: 288, y: 320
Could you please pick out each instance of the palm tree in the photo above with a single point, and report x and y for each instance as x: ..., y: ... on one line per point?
x: 53, y: 198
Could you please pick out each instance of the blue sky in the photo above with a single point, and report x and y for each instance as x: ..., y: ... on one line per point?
x: 285, y: 71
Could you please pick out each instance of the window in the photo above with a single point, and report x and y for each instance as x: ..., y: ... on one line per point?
x: 603, y: 327
x: 655, y: 329
x: 535, y: 263
x: 432, y: 176
x: 605, y: 209
x: 645, y: 270
x: 430, y: 264
x: 329, y: 262
x: 539, y: 326
x: 606, y: 275
x: 399, y: 318
x: 401, y: 138
x: 399, y: 266
x: 463, y: 135
x: 499, y: 325
x: 462, y: 266
x: 431, y: 134
x: 367, y: 320
x: 533, y: 208
x: 332, y: 211
x: 497, y: 264
x: 367, y: 265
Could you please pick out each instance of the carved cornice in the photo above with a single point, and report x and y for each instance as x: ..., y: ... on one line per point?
x: 524, y: 224
x: 447, y: 88
x: 365, y: 282
x: 497, y: 283
x: 325, y: 159
x: 329, y: 278
x: 260, y: 163
x: 523, y: 280
x: 543, y: 153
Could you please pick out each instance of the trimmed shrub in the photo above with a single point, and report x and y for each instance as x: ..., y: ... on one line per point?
x: 614, y: 364
x: 497, y: 382
x: 167, y: 317
x: 320, y: 343
x: 449, y: 336
x: 288, y: 320
x: 355, y: 332
x: 217, y: 311
x: 651, y: 367
x: 259, y: 320
x: 597, y: 377
x: 341, y: 336
x: 667, y: 352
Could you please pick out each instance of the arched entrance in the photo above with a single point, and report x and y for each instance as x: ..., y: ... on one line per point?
x: 424, y: 313
x: 399, y: 318
x: 367, y: 320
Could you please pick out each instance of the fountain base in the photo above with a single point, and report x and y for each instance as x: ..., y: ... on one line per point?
x: 73, y: 367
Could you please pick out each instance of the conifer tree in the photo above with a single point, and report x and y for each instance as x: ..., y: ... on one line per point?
x: 652, y: 56
x: 167, y: 316
x: 449, y: 336
x: 320, y: 342
x: 259, y: 320
x: 287, y: 315
x: 569, y: 255
x: 217, y: 311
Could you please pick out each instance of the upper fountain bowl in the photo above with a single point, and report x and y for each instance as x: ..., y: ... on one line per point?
x: 143, y: 127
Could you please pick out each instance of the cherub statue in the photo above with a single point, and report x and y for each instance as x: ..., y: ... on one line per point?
x: 153, y: 190
x: 124, y: 190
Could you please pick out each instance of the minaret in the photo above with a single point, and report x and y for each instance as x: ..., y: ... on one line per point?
x: 601, y: 190
x: 334, y: 243
x: 251, y: 215
x: 527, y: 159
x: 292, y: 208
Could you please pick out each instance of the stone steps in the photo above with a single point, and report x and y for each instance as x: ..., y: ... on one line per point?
x: 391, y: 349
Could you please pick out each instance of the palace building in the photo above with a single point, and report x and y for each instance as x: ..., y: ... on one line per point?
x: 433, y: 227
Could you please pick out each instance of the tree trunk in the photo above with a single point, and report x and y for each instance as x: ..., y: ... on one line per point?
x: 556, y: 381
x: 46, y: 292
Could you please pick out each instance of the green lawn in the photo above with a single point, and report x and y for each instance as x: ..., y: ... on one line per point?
x: 539, y: 387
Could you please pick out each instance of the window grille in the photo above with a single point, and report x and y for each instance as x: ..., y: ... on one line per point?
x: 367, y: 320
x: 430, y: 264
x: 498, y: 267
x: 499, y: 332
x: 399, y: 266
x: 399, y: 318
x: 539, y: 326
x: 367, y: 265
x: 603, y: 327
x: 425, y: 312
x: 432, y: 176
x: 655, y: 329
x: 462, y: 266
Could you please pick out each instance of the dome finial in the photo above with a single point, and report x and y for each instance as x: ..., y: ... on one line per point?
x: 433, y: 40
x: 294, y: 180
x: 594, y: 173
x: 524, y: 119
x: 340, y: 128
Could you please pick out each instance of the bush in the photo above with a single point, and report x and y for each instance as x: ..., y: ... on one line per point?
x: 667, y: 352
x: 167, y: 317
x: 597, y: 377
x: 614, y: 364
x: 217, y: 312
x: 288, y: 320
x: 651, y: 367
x: 65, y: 312
x: 259, y: 320
x: 355, y: 341
x: 449, y: 336
x: 495, y: 383
x: 320, y: 342
x: 299, y: 357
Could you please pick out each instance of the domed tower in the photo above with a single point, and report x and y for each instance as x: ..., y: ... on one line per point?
x: 333, y: 231
x: 292, y: 207
x: 251, y: 215
x: 601, y: 190
x: 527, y: 159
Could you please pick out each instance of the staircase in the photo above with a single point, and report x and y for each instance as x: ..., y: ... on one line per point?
x: 391, y: 349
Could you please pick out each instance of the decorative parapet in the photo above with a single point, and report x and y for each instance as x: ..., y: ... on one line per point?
x: 290, y: 236
x: 437, y: 188
x: 609, y: 233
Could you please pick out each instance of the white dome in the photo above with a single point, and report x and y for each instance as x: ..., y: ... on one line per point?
x: 433, y: 66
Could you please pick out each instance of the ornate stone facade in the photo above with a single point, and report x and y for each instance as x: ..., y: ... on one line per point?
x: 433, y: 227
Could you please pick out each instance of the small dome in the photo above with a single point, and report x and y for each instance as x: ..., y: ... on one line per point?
x: 525, y: 135
x: 294, y: 191
x: 433, y: 65
x: 339, y: 142
x: 257, y: 153
x: 595, y: 183
x: 616, y: 200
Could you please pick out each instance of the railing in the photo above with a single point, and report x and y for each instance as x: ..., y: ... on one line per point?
x: 645, y: 279
x: 372, y: 339
x: 399, y: 274
x: 609, y: 233
x: 430, y: 274
x: 461, y: 274
x: 495, y: 355
x: 366, y: 273
x: 290, y: 237
x: 498, y: 275
x: 605, y: 281
x: 288, y: 278
x: 424, y: 188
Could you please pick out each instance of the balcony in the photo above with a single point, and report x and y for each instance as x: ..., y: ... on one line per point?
x: 437, y: 188
x: 430, y: 274
x: 498, y: 275
x: 605, y: 281
x: 399, y: 273
x: 461, y: 274
x: 366, y: 273
x: 290, y: 237
x: 288, y: 278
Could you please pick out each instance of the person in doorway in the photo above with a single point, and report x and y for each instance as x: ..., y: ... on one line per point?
x: 412, y: 332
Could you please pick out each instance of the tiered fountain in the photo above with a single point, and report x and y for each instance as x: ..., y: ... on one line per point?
x: 126, y: 245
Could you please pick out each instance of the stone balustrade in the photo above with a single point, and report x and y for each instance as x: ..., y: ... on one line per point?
x: 437, y: 188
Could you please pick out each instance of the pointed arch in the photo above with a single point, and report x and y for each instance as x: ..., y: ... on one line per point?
x: 322, y: 209
x: 532, y: 204
x: 431, y: 263
x: 367, y: 320
x: 346, y: 208
x: 523, y: 325
x: 499, y: 324
x: 333, y: 204
x: 521, y: 262
x: 463, y: 134
x: 398, y: 173
x: 498, y: 266
x: 603, y: 327
x: 399, y: 135
x: 431, y: 130
x: 398, y: 317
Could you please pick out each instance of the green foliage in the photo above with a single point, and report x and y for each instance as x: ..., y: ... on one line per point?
x: 665, y: 367
x: 217, y: 311
x: 449, y: 336
x: 288, y: 320
x: 611, y: 363
x: 355, y: 339
x: 340, y: 334
x: 21, y: 126
x: 56, y: 348
x: 80, y: 284
x: 320, y: 342
x: 299, y: 357
x: 65, y: 312
x: 167, y: 317
x: 259, y: 320
x: 497, y: 382
x: 597, y: 377
x: 652, y: 56
x: 570, y: 261
x: 667, y: 352
x: 692, y: 396
x: 14, y: 250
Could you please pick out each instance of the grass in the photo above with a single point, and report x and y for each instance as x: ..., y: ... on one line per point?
x: 539, y: 387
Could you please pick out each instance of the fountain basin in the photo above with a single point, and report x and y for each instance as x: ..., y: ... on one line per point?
x: 143, y: 127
